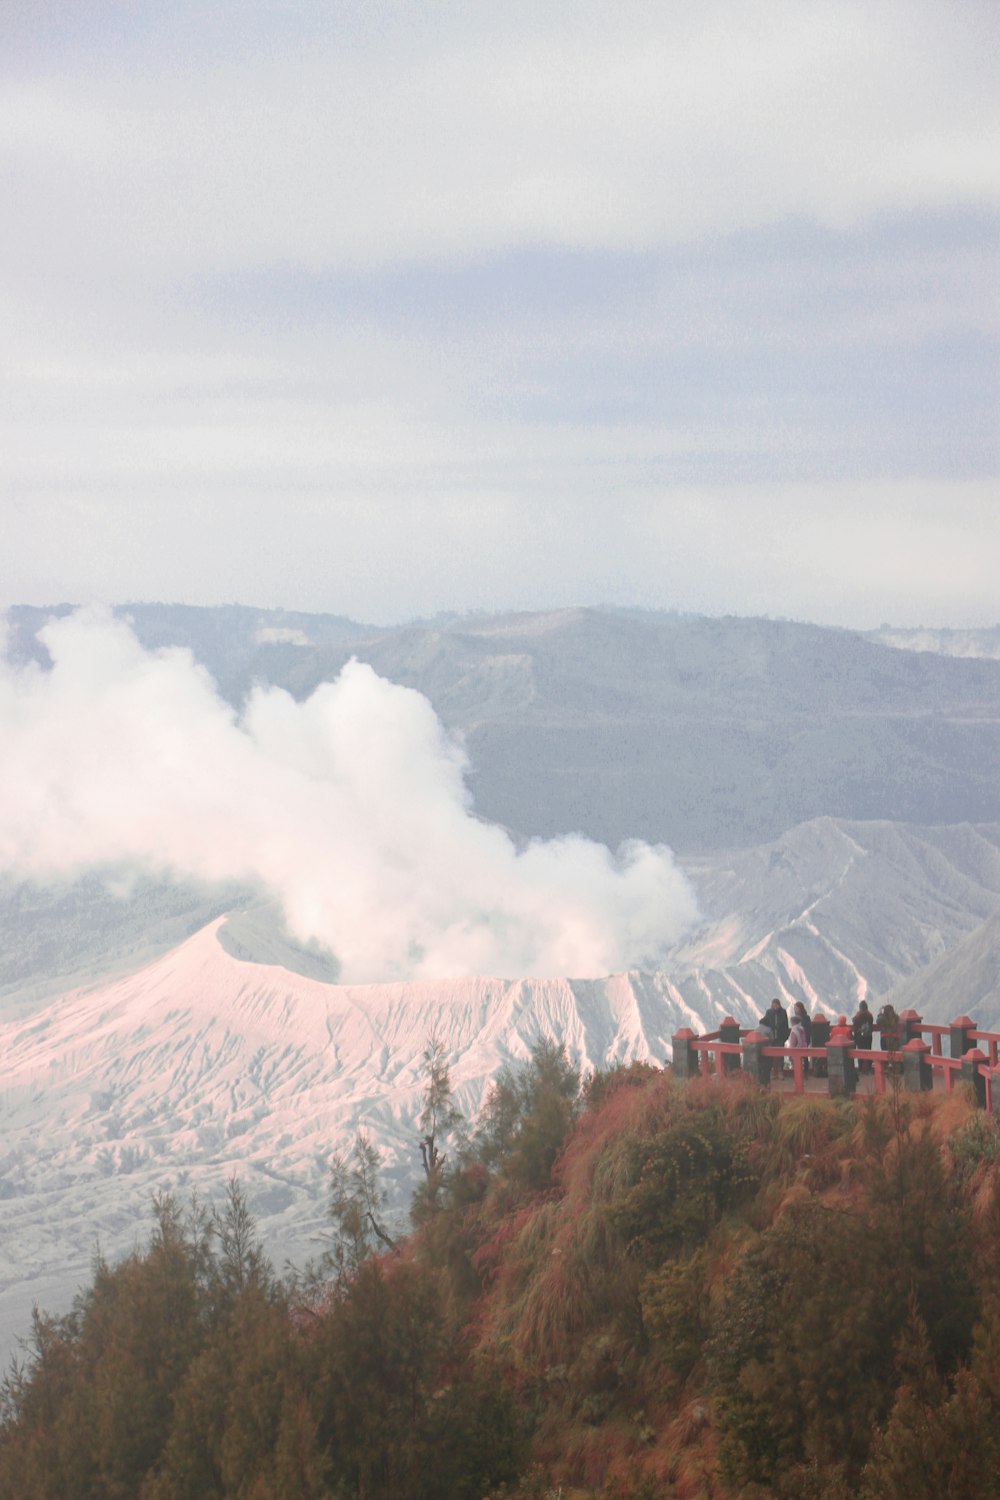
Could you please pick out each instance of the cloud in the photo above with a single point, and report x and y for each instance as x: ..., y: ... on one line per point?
x: 410, y: 139
x: 350, y: 808
x: 394, y: 308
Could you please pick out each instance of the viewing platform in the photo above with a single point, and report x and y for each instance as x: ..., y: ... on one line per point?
x: 929, y: 1057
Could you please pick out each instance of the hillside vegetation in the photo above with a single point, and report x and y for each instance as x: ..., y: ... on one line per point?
x: 637, y: 1289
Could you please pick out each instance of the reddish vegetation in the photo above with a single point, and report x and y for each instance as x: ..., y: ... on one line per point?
x: 653, y: 1290
x: 607, y: 1294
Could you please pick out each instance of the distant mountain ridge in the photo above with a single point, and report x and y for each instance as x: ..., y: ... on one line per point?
x: 762, y: 751
x: 699, y: 733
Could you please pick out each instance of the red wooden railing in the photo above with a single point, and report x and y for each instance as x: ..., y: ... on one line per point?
x: 921, y: 1062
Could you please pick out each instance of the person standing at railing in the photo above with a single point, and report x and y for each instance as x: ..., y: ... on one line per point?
x: 775, y: 1020
x: 862, y: 1027
x: 887, y: 1024
x: 797, y: 1036
x: 766, y: 1026
x: 801, y: 1015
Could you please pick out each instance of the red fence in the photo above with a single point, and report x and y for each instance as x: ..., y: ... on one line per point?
x: 973, y: 1057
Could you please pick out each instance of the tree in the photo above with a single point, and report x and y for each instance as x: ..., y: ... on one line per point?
x: 242, y: 1262
x: 527, y: 1116
x: 356, y: 1203
x: 439, y: 1119
x: 802, y: 1350
x: 939, y: 1444
x: 377, y: 1353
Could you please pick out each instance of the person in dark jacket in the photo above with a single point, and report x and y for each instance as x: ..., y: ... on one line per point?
x: 862, y: 1027
x: 888, y: 1025
x: 779, y: 1029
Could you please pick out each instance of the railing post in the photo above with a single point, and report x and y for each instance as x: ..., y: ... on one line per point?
x: 971, y: 1074
x: 685, y: 1058
x: 909, y: 1026
x: 842, y: 1075
x: 959, y: 1036
x: 918, y: 1076
x: 729, y: 1031
x: 995, y: 1092
x: 755, y: 1065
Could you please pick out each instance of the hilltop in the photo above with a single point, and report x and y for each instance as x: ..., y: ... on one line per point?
x: 649, y: 1290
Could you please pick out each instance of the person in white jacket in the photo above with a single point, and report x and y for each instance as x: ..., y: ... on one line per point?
x: 797, y: 1034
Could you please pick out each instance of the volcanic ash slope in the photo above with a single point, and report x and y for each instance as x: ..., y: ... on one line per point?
x: 202, y: 1065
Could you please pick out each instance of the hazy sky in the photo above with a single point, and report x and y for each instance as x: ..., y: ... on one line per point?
x: 386, y: 308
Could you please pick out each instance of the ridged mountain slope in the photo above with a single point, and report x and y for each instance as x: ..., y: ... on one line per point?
x: 201, y: 1065
x: 835, y: 911
x: 966, y: 981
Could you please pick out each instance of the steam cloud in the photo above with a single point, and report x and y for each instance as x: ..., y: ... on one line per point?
x: 351, y: 809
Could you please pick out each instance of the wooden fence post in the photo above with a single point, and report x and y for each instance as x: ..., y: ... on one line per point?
x: 959, y: 1037
x: 971, y: 1074
x: 918, y: 1076
x: 729, y: 1031
x: 842, y: 1075
x: 685, y: 1058
x: 909, y: 1026
x: 756, y: 1066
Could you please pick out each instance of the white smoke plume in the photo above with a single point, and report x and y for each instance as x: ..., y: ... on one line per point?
x: 350, y: 809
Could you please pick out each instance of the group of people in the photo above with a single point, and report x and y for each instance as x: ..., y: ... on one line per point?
x: 796, y: 1030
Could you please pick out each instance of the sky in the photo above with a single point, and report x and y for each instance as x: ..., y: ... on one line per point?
x: 386, y: 309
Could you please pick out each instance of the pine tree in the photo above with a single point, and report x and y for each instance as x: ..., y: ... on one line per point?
x: 440, y: 1120
x: 356, y: 1206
